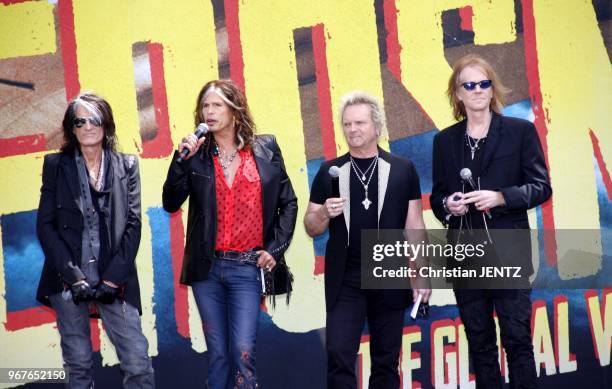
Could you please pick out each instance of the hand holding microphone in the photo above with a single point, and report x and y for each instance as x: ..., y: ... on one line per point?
x: 334, y: 205
x: 455, y: 205
x: 483, y: 200
x: 191, y: 143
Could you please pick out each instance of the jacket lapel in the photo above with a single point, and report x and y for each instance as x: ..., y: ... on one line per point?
x: 118, y: 199
x: 493, y: 138
x: 344, y: 183
x: 384, y: 168
x: 458, y: 147
x: 69, y: 168
x: 263, y: 160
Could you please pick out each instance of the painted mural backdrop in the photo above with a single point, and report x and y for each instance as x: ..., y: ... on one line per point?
x: 295, y: 59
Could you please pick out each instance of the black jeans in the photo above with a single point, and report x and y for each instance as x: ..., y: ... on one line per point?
x: 344, y: 325
x: 513, y: 308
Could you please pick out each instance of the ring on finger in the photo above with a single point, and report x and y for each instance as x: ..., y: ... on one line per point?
x: 333, y: 206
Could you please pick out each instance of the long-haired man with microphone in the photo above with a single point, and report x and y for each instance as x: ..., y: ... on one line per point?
x: 488, y: 170
x: 242, y: 213
x: 366, y: 188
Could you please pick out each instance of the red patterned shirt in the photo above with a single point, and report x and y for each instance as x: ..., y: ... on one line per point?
x: 239, y: 208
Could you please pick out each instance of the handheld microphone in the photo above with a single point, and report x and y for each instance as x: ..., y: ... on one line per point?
x: 334, y: 172
x: 466, y: 176
x: 200, y: 131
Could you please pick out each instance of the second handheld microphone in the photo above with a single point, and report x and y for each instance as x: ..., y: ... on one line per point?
x: 200, y: 131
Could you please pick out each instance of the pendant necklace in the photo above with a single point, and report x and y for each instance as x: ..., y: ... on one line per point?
x: 362, y: 179
x: 468, y: 139
x: 473, y: 148
x: 360, y: 173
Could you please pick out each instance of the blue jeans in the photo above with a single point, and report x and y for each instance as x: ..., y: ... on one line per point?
x: 122, y: 324
x: 228, y: 302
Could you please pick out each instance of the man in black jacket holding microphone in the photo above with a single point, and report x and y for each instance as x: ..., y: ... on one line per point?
x: 507, y: 176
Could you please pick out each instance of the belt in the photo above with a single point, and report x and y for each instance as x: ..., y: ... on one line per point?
x: 249, y: 256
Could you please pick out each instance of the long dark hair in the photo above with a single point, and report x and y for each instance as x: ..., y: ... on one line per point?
x: 97, y: 107
x: 233, y: 96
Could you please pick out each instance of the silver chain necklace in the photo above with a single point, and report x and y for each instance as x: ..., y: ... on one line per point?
x: 473, y: 148
x: 95, y: 178
x: 226, y: 161
x: 476, y: 141
x: 363, y: 174
x: 362, y: 179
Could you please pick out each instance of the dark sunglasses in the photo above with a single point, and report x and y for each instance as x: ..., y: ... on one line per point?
x: 470, y: 86
x: 80, y: 122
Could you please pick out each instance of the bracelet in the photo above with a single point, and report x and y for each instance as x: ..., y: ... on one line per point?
x: 444, y: 205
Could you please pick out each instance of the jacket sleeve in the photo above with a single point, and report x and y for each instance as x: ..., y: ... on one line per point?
x: 439, y: 188
x: 54, y: 247
x: 284, y: 225
x: 176, y: 187
x: 122, y: 265
x: 536, y: 185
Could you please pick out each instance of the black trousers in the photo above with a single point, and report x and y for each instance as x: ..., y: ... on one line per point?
x: 344, y: 324
x: 513, y: 308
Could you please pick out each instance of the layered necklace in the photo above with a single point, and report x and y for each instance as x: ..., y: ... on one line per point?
x: 96, y: 173
x: 225, y: 160
x: 363, y: 179
x: 475, y: 145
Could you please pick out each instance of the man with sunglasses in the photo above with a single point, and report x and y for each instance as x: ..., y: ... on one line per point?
x: 507, y: 176
x: 88, y: 225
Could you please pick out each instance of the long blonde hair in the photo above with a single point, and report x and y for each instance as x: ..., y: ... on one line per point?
x: 499, y: 90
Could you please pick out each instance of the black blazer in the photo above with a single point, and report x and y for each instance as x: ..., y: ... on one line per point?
x: 60, y: 225
x: 513, y: 163
x: 196, y: 178
x: 395, y: 175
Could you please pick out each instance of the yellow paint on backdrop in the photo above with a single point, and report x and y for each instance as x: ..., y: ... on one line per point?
x: 408, y: 363
x: 26, y: 29
x: 445, y: 362
x: 272, y: 87
x: 425, y: 70
x: 105, y: 33
x: 568, y: 39
x: 542, y: 341
x: 21, y: 181
x: 601, y: 328
x: 22, y: 174
x: 562, y: 336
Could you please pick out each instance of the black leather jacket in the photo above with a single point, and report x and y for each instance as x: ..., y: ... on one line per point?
x: 195, y: 178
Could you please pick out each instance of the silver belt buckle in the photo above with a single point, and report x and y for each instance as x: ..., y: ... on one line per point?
x: 246, y: 257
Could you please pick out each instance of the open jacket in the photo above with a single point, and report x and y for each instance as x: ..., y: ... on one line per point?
x: 60, y: 225
x: 195, y: 178
x: 513, y: 163
x: 394, y: 177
